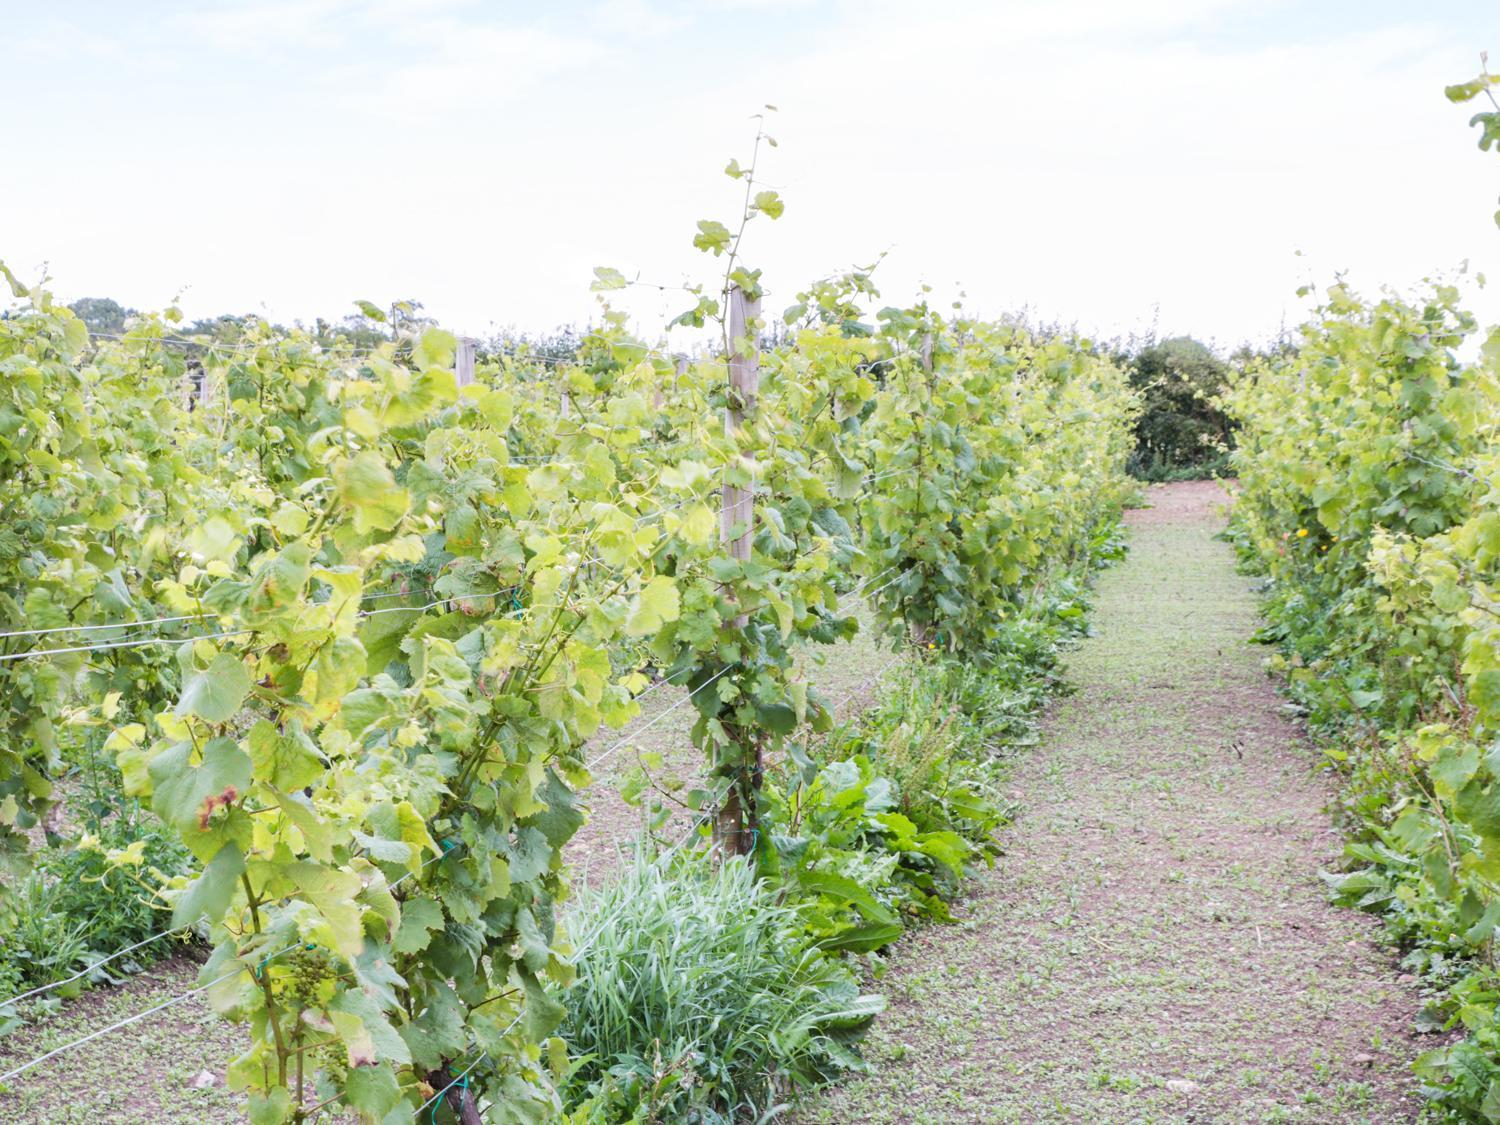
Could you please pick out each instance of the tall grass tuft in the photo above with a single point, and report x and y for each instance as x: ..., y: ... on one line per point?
x: 702, y: 1000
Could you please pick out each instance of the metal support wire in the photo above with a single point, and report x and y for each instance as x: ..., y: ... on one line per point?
x: 151, y: 1011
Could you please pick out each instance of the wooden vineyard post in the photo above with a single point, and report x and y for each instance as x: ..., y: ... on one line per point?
x: 463, y: 362
x: 737, y: 522
x: 679, y: 369
x: 921, y: 634
x: 194, y: 384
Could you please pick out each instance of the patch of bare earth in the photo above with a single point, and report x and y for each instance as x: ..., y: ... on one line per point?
x: 1155, y: 944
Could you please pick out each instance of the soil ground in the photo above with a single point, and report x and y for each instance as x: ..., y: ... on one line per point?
x: 1155, y: 944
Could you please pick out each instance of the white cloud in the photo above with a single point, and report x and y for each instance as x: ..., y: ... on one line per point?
x: 1092, y: 161
x: 636, y: 19
x: 55, y: 38
x: 267, y: 24
x: 468, y: 70
x: 1099, y: 175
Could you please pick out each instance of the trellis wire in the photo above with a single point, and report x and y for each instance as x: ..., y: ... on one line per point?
x: 100, y: 963
x: 466, y: 1071
x: 89, y: 1038
x: 36, y: 652
x: 631, y: 738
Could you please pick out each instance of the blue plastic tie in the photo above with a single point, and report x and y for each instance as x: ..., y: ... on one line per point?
x: 462, y: 1084
x: 256, y: 971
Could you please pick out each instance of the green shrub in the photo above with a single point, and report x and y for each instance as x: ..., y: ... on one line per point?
x: 843, y: 840
x: 39, y: 943
x: 882, y: 823
x: 75, y: 907
x: 701, y: 999
x: 1181, y: 433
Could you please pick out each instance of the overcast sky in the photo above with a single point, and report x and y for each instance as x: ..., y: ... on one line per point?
x: 1118, y: 164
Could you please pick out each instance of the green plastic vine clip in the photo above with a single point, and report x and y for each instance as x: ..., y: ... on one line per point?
x: 462, y: 1084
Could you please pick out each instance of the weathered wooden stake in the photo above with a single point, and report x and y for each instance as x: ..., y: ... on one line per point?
x: 463, y: 362
x: 679, y: 368
x: 195, y: 384
x: 922, y: 634
x: 737, y: 518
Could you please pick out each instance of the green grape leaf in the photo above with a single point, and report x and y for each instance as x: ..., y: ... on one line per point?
x: 699, y: 524
x: 216, y: 694
x: 273, y: 1107
x: 420, y: 917
x: 279, y: 581
x: 334, y: 893
x: 372, y: 1089
x: 367, y: 1034
x: 778, y: 718
x: 214, y: 540
x: 438, y: 1031
x: 288, y: 761
x: 712, y: 236
x: 535, y: 951
x: 435, y: 347
x: 544, y: 1013
x: 334, y: 672
x: 606, y: 279
x: 189, y: 796
x: 656, y: 604
x: 530, y: 855
x: 367, y: 486
x: 384, y: 851
x: 1468, y: 91
x: 208, y: 896
x: 770, y: 204
x: 563, y: 818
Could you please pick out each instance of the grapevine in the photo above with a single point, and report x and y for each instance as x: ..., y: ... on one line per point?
x: 395, y: 611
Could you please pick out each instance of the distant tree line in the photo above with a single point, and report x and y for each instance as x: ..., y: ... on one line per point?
x: 1181, y: 433
x: 370, y: 326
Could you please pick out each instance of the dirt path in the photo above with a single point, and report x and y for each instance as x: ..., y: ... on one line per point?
x: 1155, y: 945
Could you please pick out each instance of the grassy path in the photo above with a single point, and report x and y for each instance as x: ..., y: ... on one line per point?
x: 1155, y: 945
